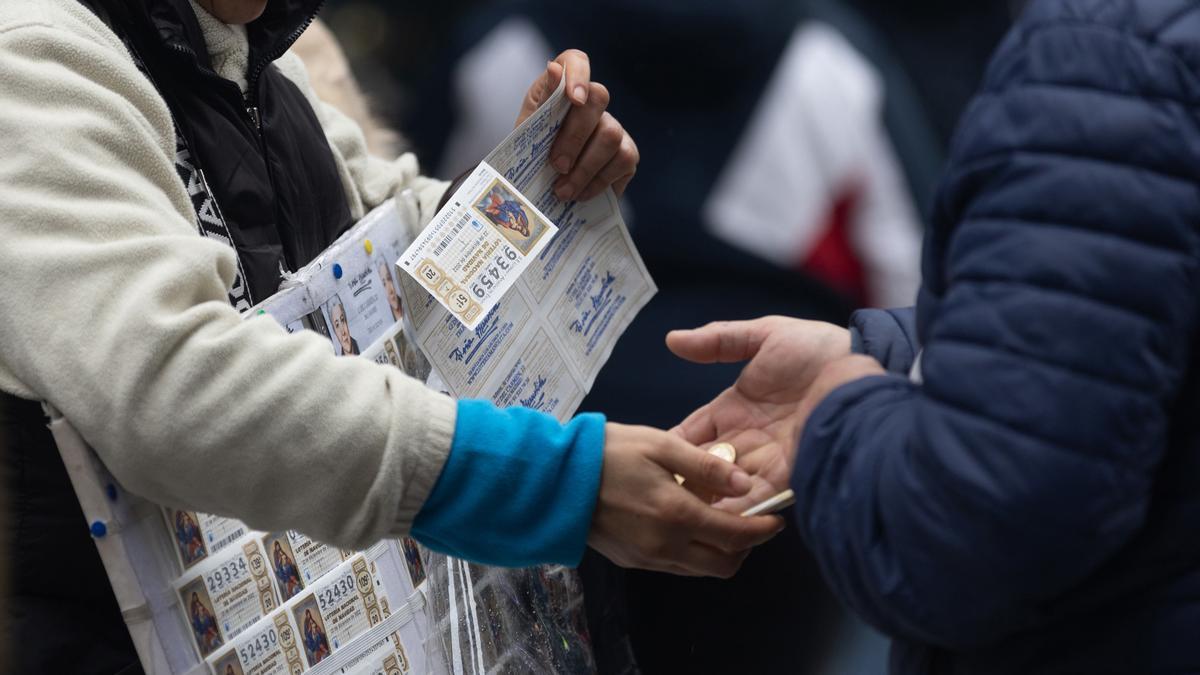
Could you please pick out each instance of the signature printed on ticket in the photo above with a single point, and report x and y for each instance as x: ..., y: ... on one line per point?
x: 477, y: 245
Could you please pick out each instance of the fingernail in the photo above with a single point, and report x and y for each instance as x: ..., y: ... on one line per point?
x: 580, y: 94
x: 739, y: 481
x: 564, y: 192
x: 562, y: 163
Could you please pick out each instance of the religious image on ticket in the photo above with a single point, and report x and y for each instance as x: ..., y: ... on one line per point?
x: 283, y: 565
x: 228, y: 665
x: 313, y: 634
x: 201, y: 616
x: 199, y: 535
x: 188, y: 537
x: 412, y: 560
x: 506, y: 210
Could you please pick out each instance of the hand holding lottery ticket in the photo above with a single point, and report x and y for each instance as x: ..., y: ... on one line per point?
x: 495, y: 224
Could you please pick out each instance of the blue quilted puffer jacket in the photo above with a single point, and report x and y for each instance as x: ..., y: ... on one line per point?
x: 1023, y: 494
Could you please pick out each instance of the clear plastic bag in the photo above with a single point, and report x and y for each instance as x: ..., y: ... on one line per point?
x: 492, y: 620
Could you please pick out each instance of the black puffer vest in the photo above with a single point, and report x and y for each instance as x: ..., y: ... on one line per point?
x: 278, y: 197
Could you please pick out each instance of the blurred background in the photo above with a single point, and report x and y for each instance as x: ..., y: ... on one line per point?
x: 790, y: 153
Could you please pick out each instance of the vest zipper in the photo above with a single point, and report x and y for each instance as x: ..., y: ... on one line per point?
x: 252, y: 113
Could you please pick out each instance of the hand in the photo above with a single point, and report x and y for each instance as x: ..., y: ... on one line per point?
x: 645, y: 519
x: 593, y: 151
x: 836, y: 373
x: 761, y: 414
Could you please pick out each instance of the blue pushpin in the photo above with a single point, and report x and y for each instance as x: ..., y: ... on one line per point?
x: 337, y: 271
x: 111, y: 491
x: 99, y: 529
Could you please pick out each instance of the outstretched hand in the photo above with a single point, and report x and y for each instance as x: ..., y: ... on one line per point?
x: 763, y: 412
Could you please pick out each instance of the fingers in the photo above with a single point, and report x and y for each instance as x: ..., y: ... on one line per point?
x: 726, y: 531
x: 602, y: 145
x: 579, y: 75
x: 577, y: 128
x: 592, y: 150
x: 617, y: 172
x: 706, y: 473
x: 721, y: 341
x: 699, y: 427
x: 540, y: 90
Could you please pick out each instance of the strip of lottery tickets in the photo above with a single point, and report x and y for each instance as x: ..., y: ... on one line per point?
x: 311, y: 626
x: 514, y: 295
x: 238, y: 584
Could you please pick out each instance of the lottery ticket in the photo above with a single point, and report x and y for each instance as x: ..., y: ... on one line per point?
x: 226, y: 594
x: 539, y: 340
x: 198, y: 536
x: 297, y: 561
x: 270, y: 647
x: 477, y: 246
x: 389, y: 657
x: 339, y: 607
x: 324, y: 617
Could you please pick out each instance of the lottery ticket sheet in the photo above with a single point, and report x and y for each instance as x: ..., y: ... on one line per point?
x: 226, y: 594
x: 518, y: 297
x: 326, y: 619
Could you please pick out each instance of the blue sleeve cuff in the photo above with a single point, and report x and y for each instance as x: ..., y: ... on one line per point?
x: 518, y: 488
x: 887, y: 335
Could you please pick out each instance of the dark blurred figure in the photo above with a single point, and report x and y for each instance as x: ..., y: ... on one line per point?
x: 391, y: 43
x: 786, y: 157
x: 944, y: 44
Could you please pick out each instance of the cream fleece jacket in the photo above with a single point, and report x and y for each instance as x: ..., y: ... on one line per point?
x: 114, y: 308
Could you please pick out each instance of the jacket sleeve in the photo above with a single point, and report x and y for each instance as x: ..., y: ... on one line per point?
x: 887, y: 335
x: 1065, y: 268
x: 115, y: 311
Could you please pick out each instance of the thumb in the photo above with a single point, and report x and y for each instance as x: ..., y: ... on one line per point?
x: 540, y: 90
x: 720, y: 341
x: 703, y: 473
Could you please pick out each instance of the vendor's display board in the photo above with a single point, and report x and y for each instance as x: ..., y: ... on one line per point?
x: 206, y: 594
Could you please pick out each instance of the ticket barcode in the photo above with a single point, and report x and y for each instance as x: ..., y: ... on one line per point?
x: 450, y: 235
x: 228, y: 540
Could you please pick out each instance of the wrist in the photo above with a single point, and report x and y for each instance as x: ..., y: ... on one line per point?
x: 518, y: 489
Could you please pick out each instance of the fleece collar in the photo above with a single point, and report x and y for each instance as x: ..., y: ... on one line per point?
x: 175, y: 26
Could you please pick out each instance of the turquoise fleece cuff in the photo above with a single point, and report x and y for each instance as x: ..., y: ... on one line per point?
x: 518, y: 489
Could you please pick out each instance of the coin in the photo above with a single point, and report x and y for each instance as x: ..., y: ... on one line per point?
x: 725, y: 451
